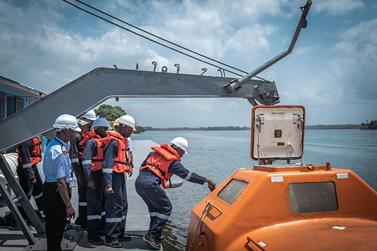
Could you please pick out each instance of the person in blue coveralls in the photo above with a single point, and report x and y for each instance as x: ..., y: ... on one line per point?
x: 117, y: 161
x: 156, y: 171
x: 58, y: 177
x: 76, y: 153
x: 93, y: 164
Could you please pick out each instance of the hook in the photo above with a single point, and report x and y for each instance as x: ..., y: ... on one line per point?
x: 221, y: 72
x: 164, y: 69
x: 155, y: 65
x: 177, y: 65
x: 204, y: 70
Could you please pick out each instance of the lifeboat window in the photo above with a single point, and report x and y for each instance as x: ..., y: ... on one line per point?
x: 232, y: 190
x: 312, y: 197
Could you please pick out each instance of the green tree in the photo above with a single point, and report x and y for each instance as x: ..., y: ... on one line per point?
x: 110, y: 112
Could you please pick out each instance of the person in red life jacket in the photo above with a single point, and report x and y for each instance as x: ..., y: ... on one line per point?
x: 92, y: 162
x: 118, y: 160
x: 29, y: 155
x: 76, y: 152
x: 156, y: 171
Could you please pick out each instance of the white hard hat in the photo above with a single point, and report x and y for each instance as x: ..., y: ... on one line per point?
x: 180, y: 142
x: 116, y: 122
x: 127, y: 120
x: 66, y: 121
x: 100, y: 122
x: 90, y: 115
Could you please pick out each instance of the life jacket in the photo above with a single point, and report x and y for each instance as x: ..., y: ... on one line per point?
x: 159, y: 161
x: 97, y: 158
x: 35, y: 154
x: 85, y: 137
x: 123, y: 162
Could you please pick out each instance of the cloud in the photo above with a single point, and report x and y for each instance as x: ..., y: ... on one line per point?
x: 337, y: 7
x: 356, y: 64
x: 47, y: 44
x: 50, y: 53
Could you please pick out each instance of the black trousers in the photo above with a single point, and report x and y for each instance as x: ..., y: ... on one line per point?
x: 56, y: 216
x: 82, y: 189
x: 29, y: 188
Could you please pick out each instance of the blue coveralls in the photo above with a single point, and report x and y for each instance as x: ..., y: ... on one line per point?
x: 95, y: 198
x: 82, y: 187
x: 116, y: 205
x: 148, y: 186
x: 56, y: 165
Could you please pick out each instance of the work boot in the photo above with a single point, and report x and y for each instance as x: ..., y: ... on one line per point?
x: 155, y: 244
x: 125, y: 237
x: 114, y: 244
x: 81, y: 223
x: 96, y: 240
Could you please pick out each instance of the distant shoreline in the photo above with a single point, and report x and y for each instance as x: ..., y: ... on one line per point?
x: 244, y: 128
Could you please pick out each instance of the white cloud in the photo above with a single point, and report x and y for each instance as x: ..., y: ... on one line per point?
x: 337, y: 7
x: 51, y: 55
x: 356, y: 65
x: 38, y: 49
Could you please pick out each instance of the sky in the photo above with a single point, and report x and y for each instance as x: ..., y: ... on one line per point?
x: 332, y: 71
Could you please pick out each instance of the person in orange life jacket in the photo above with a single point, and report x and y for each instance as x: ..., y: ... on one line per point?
x: 85, y: 122
x: 156, y: 170
x: 58, y: 178
x: 92, y: 163
x: 117, y: 162
x: 29, y: 155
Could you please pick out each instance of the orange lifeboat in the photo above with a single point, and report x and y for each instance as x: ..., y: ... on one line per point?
x: 285, y: 207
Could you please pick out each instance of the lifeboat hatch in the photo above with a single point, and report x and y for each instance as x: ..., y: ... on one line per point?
x: 277, y: 132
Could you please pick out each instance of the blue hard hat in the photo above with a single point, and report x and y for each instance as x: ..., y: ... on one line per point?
x: 100, y: 122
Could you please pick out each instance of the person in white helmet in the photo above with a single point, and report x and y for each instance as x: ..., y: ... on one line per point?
x: 156, y: 171
x: 93, y: 162
x: 58, y: 177
x: 118, y: 160
x: 77, y: 148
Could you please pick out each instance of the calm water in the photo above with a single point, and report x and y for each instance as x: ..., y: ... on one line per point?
x: 217, y: 154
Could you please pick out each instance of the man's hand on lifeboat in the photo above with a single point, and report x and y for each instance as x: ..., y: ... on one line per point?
x: 211, y: 184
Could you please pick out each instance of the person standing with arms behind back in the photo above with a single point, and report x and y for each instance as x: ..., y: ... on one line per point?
x: 77, y: 148
x: 156, y: 171
x: 93, y: 162
x: 117, y: 162
x: 58, y: 176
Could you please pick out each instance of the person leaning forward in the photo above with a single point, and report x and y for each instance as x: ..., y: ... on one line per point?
x: 58, y: 177
x: 117, y: 161
x: 156, y: 171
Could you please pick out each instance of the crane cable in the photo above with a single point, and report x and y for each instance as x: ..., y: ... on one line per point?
x: 154, y: 41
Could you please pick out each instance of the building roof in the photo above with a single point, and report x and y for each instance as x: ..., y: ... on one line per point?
x: 14, y: 88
